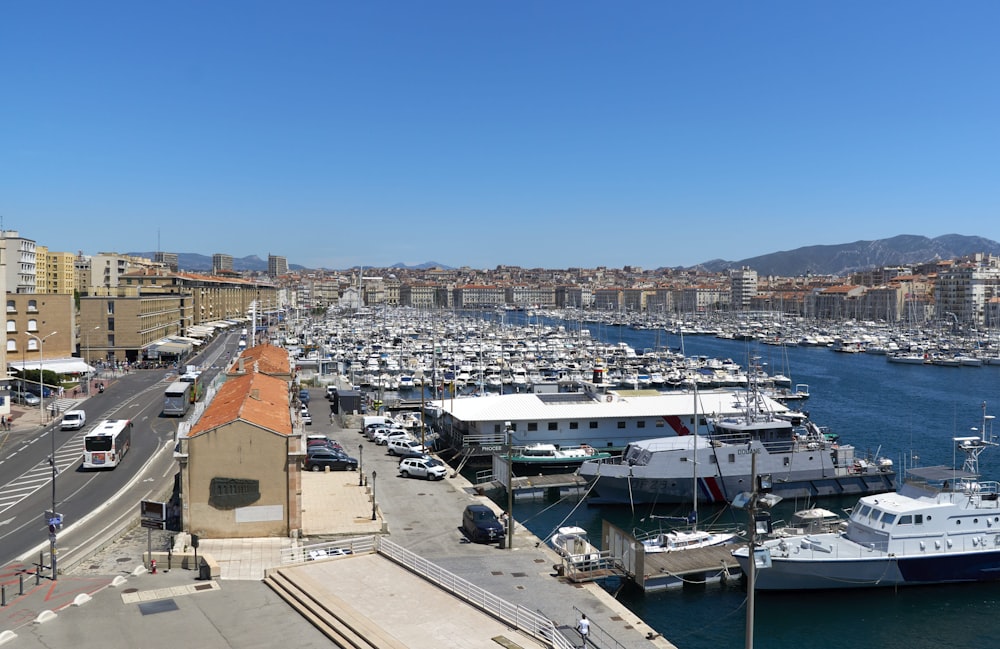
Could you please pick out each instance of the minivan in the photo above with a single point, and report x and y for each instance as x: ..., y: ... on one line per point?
x: 73, y: 420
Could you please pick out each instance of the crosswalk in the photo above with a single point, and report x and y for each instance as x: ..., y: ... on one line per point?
x: 39, y: 476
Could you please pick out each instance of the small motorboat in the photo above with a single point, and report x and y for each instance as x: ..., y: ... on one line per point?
x: 573, y: 545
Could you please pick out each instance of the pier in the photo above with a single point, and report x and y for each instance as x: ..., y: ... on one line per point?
x: 654, y: 572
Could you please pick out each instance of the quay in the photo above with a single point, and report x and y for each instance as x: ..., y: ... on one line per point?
x: 412, y: 580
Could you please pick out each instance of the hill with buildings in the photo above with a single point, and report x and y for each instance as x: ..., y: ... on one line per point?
x: 845, y: 258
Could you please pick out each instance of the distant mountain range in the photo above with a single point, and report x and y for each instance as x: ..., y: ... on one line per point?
x: 192, y: 261
x: 845, y: 258
x: 840, y: 259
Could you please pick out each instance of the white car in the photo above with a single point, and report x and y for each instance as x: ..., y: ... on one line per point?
x: 422, y: 467
x: 382, y: 438
x: 73, y: 420
x: 406, y: 447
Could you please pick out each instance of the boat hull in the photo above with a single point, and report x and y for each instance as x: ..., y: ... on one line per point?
x: 714, y: 489
x: 824, y: 573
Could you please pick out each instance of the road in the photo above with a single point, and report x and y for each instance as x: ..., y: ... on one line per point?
x: 92, y: 503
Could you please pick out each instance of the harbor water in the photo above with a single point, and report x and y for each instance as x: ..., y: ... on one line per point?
x: 909, y: 413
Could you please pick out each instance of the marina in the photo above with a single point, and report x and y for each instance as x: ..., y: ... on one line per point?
x: 885, y: 409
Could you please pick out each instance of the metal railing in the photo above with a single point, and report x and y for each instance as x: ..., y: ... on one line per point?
x: 518, y: 617
x: 317, y: 551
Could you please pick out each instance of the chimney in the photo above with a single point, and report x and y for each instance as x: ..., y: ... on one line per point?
x: 255, y: 394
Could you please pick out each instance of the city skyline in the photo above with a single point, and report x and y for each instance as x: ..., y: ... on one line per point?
x: 560, y: 135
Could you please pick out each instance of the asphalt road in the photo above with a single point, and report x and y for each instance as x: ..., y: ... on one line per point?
x: 92, y: 502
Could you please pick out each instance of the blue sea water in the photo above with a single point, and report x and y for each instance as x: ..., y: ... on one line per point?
x: 901, y: 411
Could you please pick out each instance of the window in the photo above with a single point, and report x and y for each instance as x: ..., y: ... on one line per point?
x: 532, y: 426
x: 11, y: 345
x: 11, y: 306
x: 593, y: 424
x: 33, y: 305
x: 641, y: 423
x: 33, y: 325
x: 621, y: 424
x: 573, y: 425
x: 553, y: 425
x: 32, y: 344
x: 660, y: 423
x: 906, y: 520
x: 11, y: 327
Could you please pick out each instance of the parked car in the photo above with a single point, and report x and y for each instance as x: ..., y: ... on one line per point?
x: 406, y: 447
x: 307, y: 419
x: 382, y: 437
x: 304, y: 396
x: 319, y: 459
x: 25, y: 398
x: 422, y: 467
x: 73, y: 420
x: 480, y: 524
x: 375, y: 429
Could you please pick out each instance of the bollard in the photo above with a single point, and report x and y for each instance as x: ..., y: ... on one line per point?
x: 20, y: 583
x: 170, y: 557
x: 152, y: 566
x: 3, y: 595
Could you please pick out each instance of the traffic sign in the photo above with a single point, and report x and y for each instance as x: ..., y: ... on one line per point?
x: 153, y: 525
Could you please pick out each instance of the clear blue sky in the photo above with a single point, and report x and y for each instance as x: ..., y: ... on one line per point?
x: 542, y: 134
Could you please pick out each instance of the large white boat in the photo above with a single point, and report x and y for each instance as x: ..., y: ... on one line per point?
x: 804, y: 460
x: 941, y: 526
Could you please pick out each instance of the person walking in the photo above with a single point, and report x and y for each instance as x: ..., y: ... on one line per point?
x: 583, y: 626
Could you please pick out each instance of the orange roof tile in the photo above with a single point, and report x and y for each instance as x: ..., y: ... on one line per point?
x: 256, y: 398
x: 270, y: 359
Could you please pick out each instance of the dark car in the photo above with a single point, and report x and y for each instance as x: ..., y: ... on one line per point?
x: 480, y: 524
x: 304, y: 396
x: 319, y: 459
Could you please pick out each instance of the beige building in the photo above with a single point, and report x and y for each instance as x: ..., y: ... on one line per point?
x: 240, y: 463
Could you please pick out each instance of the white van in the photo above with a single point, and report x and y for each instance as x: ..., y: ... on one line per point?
x: 368, y: 420
x: 73, y: 420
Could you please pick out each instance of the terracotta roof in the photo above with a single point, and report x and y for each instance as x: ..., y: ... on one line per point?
x: 256, y: 398
x: 270, y: 359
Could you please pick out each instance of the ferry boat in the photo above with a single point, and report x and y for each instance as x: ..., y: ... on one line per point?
x: 941, y: 526
x: 804, y: 460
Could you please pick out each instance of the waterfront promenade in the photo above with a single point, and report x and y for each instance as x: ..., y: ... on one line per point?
x: 238, y: 610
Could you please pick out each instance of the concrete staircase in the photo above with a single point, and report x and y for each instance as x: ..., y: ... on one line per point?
x: 335, y: 618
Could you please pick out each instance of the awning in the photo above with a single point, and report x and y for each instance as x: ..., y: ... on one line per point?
x: 57, y: 365
x: 166, y: 347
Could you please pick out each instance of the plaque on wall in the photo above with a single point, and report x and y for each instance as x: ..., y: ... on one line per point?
x: 230, y: 493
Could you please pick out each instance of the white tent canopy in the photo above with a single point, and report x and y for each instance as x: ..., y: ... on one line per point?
x: 57, y: 365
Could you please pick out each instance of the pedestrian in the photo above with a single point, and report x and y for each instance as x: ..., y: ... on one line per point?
x: 583, y: 626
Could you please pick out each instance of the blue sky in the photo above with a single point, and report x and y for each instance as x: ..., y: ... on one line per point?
x: 541, y: 134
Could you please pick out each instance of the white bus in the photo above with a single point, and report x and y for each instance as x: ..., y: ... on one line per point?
x: 177, y: 399
x: 106, y: 444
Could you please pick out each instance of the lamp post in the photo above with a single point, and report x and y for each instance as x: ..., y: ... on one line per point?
x: 361, y: 465
x: 86, y: 359
x: 510, y: 485
x: 52, y: 525
x: 373, y: 495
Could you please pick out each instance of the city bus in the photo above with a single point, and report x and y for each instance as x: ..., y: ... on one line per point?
x: 197, y: 389
x: 106, y: 444
x: 177, y: 399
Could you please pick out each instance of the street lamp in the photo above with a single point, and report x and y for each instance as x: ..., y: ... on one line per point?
x: 361, y: 465
x: 86, y: 359
x: 52, y: 458
x: 510, y: 485
x: 373, y: 495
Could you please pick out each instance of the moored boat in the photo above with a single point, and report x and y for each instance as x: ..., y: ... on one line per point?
x: 573, y: 544
x: 807, y: 461
x: 939, y: 527
x: 553, y: 457
x: 677, y: 540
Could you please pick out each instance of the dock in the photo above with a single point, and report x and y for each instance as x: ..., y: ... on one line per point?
x: 666, y: 570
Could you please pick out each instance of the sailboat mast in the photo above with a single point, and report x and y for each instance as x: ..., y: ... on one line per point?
x: 694, y: 464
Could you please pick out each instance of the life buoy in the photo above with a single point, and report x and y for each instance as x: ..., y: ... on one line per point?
x: 608, y: 398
